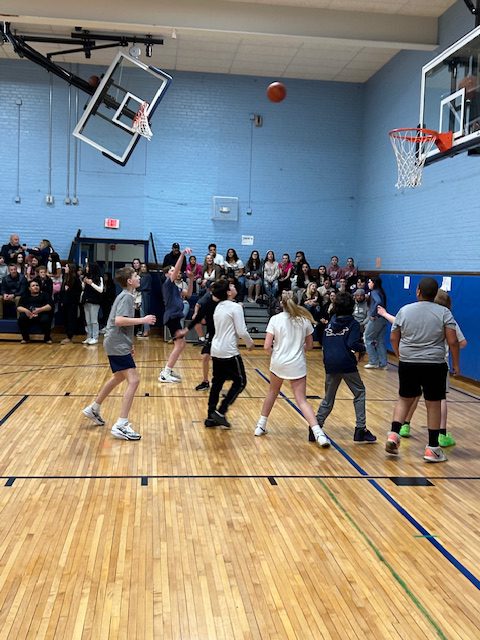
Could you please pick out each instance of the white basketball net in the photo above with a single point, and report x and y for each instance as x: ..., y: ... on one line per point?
x: 411, y: 147
x: 140, y: 122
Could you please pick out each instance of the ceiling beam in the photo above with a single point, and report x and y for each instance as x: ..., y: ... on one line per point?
x: 356, y: 28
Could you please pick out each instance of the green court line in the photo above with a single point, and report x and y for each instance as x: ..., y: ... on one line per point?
x: 380, y: 556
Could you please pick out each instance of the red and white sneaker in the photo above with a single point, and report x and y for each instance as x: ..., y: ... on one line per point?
x: 434, y: 454
x: 393, y: 443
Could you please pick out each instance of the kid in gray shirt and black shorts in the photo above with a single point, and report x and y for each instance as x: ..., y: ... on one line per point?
x: 418, y: 338
x: 118, y: 345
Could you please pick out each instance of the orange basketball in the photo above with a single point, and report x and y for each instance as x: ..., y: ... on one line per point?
x: 94, y: 81
x: 276, y: 91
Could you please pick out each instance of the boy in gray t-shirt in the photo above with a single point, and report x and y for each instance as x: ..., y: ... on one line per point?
x: 418, y: 339
x: 118, y: 345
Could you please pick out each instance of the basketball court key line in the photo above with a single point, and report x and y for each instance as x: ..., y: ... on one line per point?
x: 420, y: 528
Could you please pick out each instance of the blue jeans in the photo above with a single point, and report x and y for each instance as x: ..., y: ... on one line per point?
x: 271, y: 288
x: 374, y: 337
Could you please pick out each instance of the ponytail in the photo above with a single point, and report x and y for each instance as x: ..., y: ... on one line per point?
x: 293, y: 309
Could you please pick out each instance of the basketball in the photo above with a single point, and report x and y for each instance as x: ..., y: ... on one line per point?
x: 276, y: 92
x: 94, y: 81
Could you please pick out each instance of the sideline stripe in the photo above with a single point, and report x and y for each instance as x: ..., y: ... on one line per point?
x: 420, y: 528
x: 382, y: 559
x: 7, y: 416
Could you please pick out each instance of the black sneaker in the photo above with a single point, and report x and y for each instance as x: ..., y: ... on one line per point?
x: 203, y: 386
x: 363, y: 436
x: 219, y: 420
x: 210, y: 423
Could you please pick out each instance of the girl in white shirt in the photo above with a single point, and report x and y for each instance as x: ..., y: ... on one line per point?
x: 289, y: 334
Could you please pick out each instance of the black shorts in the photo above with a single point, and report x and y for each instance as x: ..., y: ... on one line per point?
x: 120, y: 363
x: 417, y: 377
x: 206, y: 348
x: 174, y: 325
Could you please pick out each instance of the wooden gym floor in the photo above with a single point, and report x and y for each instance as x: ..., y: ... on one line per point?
x: 203, y: 534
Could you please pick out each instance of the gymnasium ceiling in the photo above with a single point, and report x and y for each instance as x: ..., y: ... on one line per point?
x: 339, y: 40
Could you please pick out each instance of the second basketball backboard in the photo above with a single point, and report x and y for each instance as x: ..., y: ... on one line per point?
x: 106, y: 123
x: 450, y: 95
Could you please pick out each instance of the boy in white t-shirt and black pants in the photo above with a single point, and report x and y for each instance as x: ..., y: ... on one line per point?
x: 227, y: 361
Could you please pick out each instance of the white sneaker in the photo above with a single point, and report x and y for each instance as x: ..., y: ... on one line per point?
x: 369, y: 365
x: 85, y: 341
x: 92, y: 341
x: 93, y: 415
x: 261, y: 431
x: 322, y: 440
x: 176, y: 375
x: 163, y: 377
x: 125, y: 432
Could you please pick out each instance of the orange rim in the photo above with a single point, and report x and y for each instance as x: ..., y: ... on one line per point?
x: 417, y: 134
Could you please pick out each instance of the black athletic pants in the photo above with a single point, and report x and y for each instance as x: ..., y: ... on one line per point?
x: 226, y: 369
x: 43, y: 320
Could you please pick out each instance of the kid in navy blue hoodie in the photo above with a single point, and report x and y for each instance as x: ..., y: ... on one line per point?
x: 342, y: 348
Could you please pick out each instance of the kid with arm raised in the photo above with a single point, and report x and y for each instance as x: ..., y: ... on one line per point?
x: 173, y: 315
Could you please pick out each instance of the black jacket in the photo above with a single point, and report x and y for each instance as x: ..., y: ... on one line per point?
x: 341, y: 340
x: 18, y: 286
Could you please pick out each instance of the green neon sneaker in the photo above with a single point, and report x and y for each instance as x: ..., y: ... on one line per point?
x: 405, y: 430
x: 446, y: 440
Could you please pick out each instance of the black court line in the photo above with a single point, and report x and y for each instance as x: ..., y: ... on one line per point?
x: 412, y: 482
x: 237, y: 476
x: 7, y: 416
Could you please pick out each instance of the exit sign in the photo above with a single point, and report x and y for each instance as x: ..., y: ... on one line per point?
x: 112, y: 223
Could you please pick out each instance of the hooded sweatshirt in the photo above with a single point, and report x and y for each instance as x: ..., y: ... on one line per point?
x: 341, y: 340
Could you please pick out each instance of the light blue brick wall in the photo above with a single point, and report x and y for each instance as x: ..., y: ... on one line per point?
x: 436, y: 226
x: 303, y: 190
x: 323, y: 171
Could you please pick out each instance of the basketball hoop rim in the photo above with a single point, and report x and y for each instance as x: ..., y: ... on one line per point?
x: 421, y: 135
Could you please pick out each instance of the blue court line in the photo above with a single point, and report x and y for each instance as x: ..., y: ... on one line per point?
x: 420, y: 528
x: 7, y: 415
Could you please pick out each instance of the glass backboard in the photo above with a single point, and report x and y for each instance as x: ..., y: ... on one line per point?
x: 450, y: 95
x: 106, y: 123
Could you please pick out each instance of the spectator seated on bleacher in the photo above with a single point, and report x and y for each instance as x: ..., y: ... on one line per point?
x: 34, y: 310
x: 45, y: 282
x: 31, y: 268
x: 3, y: 270
x: 253, y: 276
x: 43, y: 251
x: 304, y: 278
x: 321, y: 274
x: 10, y: 250
x: 334, y: 270
x: 271, y: 273
x: 14, y: 285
